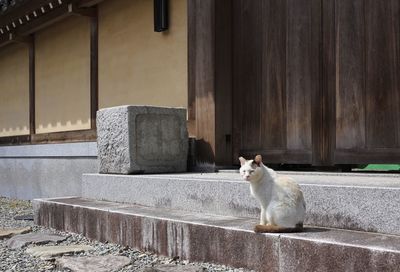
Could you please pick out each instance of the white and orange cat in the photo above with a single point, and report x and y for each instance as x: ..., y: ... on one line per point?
x: 282, y: 203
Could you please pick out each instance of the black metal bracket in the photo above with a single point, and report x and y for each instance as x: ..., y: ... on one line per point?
x: 161, y: 15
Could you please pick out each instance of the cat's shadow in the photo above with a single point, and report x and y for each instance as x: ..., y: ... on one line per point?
x: 314, y: 229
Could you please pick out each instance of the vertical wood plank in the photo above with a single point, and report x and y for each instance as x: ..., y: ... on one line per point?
x: 302, y: 73
x: 210, y: 78
x: 395, y: 7
x: 223, y: 82
x: 381, y: 91
x: 237, y: 106
x: 323, y: 101
x: 251, y: 70
x: 247, y: 73
x: 273, y: 77
x: 192, y: 32
x: 350, y: 73
x: 204, y: 77
x: 94, y: 74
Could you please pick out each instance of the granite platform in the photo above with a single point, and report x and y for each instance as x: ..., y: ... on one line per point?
x: 354, y: 201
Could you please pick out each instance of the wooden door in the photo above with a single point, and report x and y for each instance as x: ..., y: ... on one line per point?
x: 275, y: 78
x: 366, y: 85
x: 316, y: 82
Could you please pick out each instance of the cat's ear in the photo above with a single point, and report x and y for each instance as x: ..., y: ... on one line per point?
x: 258, y: 160
x: 242, y: 161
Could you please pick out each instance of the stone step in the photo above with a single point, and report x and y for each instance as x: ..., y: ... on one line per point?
x: 220, y: 239
x: 365, y: 202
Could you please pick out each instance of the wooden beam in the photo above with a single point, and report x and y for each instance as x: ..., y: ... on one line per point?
x: 75, y: 9
x: 210, y: 78
x: 10, y: 38
x: 201, y: 68
x: 15, y: 140
x: 79, y: 7
x: 43, y: 21
x: 32, y: 112
x: 5, y: 40
x: 20, y: 39
x: 64, y: 136
x: 367, y: 156
x: 69, y: 8
x: 279, y: 155
x: 89, y: 3
x: 54, y: 16
x: 94, y: 78
x: 88, y: 135
x: 21, y: 11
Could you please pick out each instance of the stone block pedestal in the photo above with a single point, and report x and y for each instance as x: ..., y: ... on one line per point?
x: 142, y: 139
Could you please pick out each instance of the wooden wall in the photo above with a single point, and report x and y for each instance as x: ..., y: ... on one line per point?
x: 309, y: 81
x: 367, y: 78
x: 320, y: 83
x: 275, y: 78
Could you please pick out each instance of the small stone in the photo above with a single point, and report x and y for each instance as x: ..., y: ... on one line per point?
x: 7, y: 233
x: 22, y: 240
x: 174, y: 268
x: 54, y: 251
x: 95, y: 263
x: 26, y: 217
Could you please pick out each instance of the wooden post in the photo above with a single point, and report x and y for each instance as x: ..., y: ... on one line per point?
x: 210, y: 79
x: 32, y: 122
x: 94, y: 82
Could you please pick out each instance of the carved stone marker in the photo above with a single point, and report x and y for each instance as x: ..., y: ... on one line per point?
x: 142, y: 139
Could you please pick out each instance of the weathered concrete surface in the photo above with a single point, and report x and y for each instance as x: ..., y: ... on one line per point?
x: 7, y: 233
x: 339, y: 251
x: 22, y: 240
x: 190, y: 236
x: 142, y: 139
x: 221, y: 239
x: 49, y: 170
x: 80, y: 149
x: 28, y: 178
x: 93, y: 263
x: 54, y: 251
x: 349, y: 201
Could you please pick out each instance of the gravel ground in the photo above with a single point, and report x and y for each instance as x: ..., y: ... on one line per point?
x: 18, y: 260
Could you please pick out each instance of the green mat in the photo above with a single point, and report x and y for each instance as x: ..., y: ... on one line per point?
x: 382, y: 167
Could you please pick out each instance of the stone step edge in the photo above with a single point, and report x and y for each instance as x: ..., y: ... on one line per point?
x: 366, y: 208
x: 217, y: 239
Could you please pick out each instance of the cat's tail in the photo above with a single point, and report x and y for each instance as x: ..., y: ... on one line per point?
x: 277, y: 229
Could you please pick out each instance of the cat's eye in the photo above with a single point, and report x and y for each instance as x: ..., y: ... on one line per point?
x: 251, y: 171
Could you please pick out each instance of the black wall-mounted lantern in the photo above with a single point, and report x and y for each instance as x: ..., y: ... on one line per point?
x: 160, y: 15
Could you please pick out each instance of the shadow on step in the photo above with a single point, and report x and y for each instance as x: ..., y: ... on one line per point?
x: 314, y: 229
